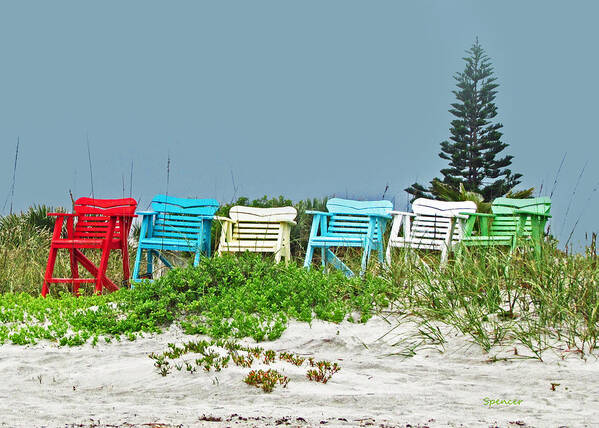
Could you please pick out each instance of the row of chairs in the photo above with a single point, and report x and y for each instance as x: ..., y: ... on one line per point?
x: 177, y: 224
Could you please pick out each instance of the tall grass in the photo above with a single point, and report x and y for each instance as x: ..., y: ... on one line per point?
x: 496, y: 298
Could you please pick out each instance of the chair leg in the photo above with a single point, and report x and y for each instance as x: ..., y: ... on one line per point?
x: 388, y: 254
x: 537, y: 250
x: 537, y: 237
x: 150, y: 262
x: 444, y: 256
x: 365, y: 255
x: 126, y: 269
x: 101, y: 276
x: 279, y: 245
x: 49, y: 270
x: 74, y: 272
x: 208, y: 244
x: 287, y: 253
x: 323, y: 253
x: 204, y: 245
x: 309, y: 254
x: 381, y: 252
x: 137, y: 263
x: 102, y: 270
x: 506, y: 270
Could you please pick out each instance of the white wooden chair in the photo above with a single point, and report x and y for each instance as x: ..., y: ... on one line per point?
x: 432, y: 226
x: 264, y: 230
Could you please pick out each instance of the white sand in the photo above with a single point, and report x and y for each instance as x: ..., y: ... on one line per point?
x: 116, y: 383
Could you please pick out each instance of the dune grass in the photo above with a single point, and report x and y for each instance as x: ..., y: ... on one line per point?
x: 496, y: 298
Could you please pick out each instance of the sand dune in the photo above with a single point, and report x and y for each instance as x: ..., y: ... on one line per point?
x: 116, y: 384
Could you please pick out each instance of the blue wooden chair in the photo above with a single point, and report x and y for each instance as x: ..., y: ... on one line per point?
x: 175, y: 224
x: 348, y: 224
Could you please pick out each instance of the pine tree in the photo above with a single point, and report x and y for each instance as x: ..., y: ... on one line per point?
x: 473, y: 152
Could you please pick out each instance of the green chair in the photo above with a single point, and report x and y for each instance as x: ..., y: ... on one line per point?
x: 512, y: 221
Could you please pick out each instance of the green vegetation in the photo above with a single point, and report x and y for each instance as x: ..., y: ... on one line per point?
x: 245, y: 296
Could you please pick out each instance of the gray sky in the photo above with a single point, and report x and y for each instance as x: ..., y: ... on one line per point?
x: 303, y: 99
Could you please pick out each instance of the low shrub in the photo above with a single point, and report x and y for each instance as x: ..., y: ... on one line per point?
x: 230, y: 296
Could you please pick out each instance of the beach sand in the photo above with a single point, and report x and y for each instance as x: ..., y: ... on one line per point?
x: 116, y: 384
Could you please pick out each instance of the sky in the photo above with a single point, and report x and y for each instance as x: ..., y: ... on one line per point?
x: 301, y: 99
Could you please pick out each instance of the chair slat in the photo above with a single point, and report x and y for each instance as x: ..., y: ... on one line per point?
x: 254, y: 237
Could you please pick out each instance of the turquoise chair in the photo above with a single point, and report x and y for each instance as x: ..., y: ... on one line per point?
x: 348, y: 224
x: 175, y: 224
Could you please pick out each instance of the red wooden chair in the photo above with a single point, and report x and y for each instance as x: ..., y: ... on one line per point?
x: 102, y: 224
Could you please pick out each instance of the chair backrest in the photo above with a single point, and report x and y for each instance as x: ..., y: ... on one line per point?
x: 181, y: 218
x: 93, y: 215
x: 540, y: 205
x: 350, y: 218
x: 349, y: 206
x: 240, y: 213
x: 264, y: 224
x: 506, y: 221
x: 433, y: 218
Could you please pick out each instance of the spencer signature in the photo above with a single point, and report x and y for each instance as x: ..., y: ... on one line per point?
x: 490, y: 402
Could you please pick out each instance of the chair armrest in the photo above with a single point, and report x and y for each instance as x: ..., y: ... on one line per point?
x: 478, y: 215
x: 385, y: 216
x: 526, y: 212
x: 217, y: 217
x: 144, y: 213
x: 403, y: 213
x: 319, y: 213
x: 470, y: 219
x: 290, y: 222
x: 461, y: 216
x: 62, y: 214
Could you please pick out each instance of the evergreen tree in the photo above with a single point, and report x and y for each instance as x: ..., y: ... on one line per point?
x: 473, y: 152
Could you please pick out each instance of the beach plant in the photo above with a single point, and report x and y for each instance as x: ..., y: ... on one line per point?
x: 323, y: 371
x: 269, y: 356
x: 266, y: 380
x: 242, y: 360
x: 161, y: 363
x: 296, y: 360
